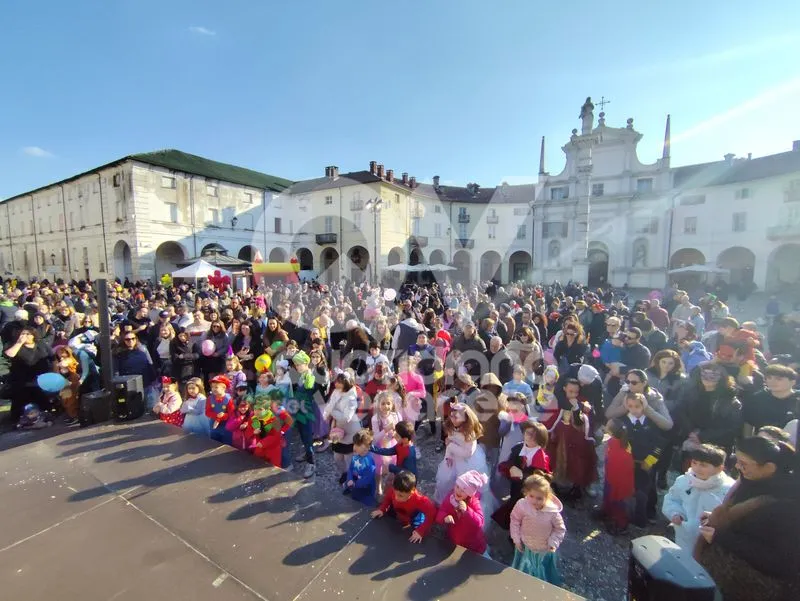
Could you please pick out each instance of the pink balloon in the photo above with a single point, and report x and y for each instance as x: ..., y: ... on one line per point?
x: 208, y: 347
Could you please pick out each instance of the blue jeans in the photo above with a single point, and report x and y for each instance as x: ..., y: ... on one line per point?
x: 306, y: 432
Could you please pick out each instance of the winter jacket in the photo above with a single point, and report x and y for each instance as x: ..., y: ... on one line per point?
x: 135, y: 362
x: 689, y: 498
x: 343, y: 407
x: 656, y: 411
x: 242, y: 439
x: 716, y: 416
x: 540, y: 461
x: 569, y: 354
x: 694, y: 355
x: 418, y: 510
x: 655, y: 341
x: 467, y: 530
x: 636, y: 356
x: 539, y: 530
x: 405, y: 335
x: 406, y: 457
x: 669, y: 387
x: 415, y: 392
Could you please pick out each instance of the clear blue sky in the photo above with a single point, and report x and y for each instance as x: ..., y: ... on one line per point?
x: 460, y: 88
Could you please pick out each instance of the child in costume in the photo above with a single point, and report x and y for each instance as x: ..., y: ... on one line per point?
x: 646, y: 442
x: 32, y: 418
x: 234, y: 372
x: 384, y: 421
x: 404, y: 451
x: 618, y: 489
x: 270, y: 423
x: 168, y: 407
x: 462, y: 513
x: 526, y: 458
x: 240, y: 426
x: 518, y: 384
x: 701, y: 489
x: 571, y: 445
x: 283, y: 380
x: 193, y: 408
x: 341, y: 409
x: 219, y: 407
x: 67, y: 365
x: 265, y: 382
x: 537, y: 530
x: 462, y: 454
x: 546, y: 405
x: 360, y: 482
x: 303, y: 413
x: 511, y: 419
x: 412, y: 508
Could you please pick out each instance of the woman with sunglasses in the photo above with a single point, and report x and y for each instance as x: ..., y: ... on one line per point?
x: 749, y: 543
x: 655, y: 408
x: 708, y: 409
x: 571, y: 348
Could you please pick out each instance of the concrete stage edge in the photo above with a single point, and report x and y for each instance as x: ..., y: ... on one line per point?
x: 144, y: 512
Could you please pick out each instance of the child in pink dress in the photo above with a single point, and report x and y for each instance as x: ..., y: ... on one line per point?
x: 384, y: 421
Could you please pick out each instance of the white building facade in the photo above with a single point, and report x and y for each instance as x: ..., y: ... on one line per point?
x: 606, y: 218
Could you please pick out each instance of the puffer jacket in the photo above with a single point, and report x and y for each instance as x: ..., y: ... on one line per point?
x: 689, y: 498
x: 538, y: 530
x: 343, y: 407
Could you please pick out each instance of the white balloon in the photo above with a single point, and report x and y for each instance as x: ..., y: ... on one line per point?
x: 389, y: 294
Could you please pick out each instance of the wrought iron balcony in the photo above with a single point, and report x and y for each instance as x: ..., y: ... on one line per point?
x: 421, y: 241
x: 492, y: 219
x: 464, y: 243
x: 463, y: 217
x: 779, y: 232
x: 327, y: 239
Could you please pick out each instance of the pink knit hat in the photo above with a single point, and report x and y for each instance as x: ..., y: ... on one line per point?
x: 471, y: 482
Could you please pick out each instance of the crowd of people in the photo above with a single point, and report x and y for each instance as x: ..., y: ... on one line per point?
x: 538, y: 396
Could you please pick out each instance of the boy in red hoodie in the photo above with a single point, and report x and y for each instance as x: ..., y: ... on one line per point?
x: 412, y: 509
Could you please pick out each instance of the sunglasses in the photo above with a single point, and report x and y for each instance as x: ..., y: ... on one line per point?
x: 633, y: 382
x: 571, y: 332
x: 710, y: 375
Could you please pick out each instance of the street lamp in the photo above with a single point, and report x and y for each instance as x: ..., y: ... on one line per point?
x: 234, y: 221
x: 53, y: 259
x: 373, y: 205
x: 531, y: 204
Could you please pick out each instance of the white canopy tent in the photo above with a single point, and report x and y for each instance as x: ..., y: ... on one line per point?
x: 699, y: 269
x: 199, y: 269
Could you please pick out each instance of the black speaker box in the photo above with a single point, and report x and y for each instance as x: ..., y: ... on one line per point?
x: 128, y: 397
x: 660, y: 570
x: 95, y: 408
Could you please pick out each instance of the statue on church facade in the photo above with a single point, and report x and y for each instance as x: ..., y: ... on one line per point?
x: 587, y: 115
x: 640, y: 253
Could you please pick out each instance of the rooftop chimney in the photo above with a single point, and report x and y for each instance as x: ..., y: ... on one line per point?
x: 796, y: 146
x: 390, y: 175
x: 436, y: 182
x: 373, y: 166
x: 379, y: 173
x: 327, y: 171
x: 412, y: 182
x: 405, y: 179
x: 335, y: 172
x: 749, y: 156
x: 729, y: 158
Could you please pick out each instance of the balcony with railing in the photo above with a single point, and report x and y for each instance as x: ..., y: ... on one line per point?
x: 463, y: 217
x: 492, y: 219
x: 464, y: 243
x: 356, y: 205
x: 421, y: 241
x: 323, y: 239
x: 784, y: 231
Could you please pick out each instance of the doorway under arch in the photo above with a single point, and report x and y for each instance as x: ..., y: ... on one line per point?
x: 741, y: 262
x: 305, y: 258
x: 123, y: 264
x: 519, y: 266
x: 686, y: 257
x: 598, y: 265
x: 248, y: 253
x: 396, y: 256
x: 783, y: 268
x: 277, y: 255
x: 490, y: 266
x: 329, y: 259
x: 462, y: 262
x: 168, y: 255
x: 438, y: 258
x: 359, y: 263
x: 416, y: 257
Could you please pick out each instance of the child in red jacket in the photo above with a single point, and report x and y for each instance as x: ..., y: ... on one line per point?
x: 412, y: 509
x: 461, y: 511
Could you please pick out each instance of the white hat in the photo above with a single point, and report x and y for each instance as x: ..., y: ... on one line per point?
x: 21, y: 315
x: 587, y: 374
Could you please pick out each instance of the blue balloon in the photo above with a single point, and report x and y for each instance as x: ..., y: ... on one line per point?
x: 51, y: 382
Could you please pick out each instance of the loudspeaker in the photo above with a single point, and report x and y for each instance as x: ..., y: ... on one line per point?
x: 94, y: 408
x: 659, y: 570
x: 128, y: 396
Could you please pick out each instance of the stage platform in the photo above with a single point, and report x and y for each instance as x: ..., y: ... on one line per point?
x: 143, y: 512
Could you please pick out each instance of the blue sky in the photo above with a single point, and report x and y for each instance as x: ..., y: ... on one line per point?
x: 460, y: 88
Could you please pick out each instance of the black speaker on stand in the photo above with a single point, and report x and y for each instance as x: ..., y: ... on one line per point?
x: 128, y: 397
x: 659, y: 570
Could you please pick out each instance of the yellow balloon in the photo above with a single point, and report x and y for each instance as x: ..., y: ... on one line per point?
x: 263, y: 363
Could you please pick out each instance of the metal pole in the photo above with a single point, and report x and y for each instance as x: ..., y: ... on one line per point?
x: 104, y: 339
x: 375, y: 242
x: 102, y: 223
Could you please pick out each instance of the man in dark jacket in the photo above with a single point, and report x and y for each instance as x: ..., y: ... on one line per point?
x: 653, y: 338
x: 471, y: 345
x: 500, y: 361
x: 597, y: 325
x: 635, y: 355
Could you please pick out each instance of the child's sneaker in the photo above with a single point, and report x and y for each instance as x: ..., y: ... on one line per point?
x: 310, y: 470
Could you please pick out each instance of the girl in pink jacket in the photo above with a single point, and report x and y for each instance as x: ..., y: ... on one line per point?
x: 537, y: 530
x: 461, y: 512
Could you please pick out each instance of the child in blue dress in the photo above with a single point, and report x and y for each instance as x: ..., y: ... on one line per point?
x: 194, y: 408
x: 360, y: 481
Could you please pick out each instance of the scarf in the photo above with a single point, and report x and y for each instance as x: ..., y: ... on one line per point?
x: 695, y: 482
